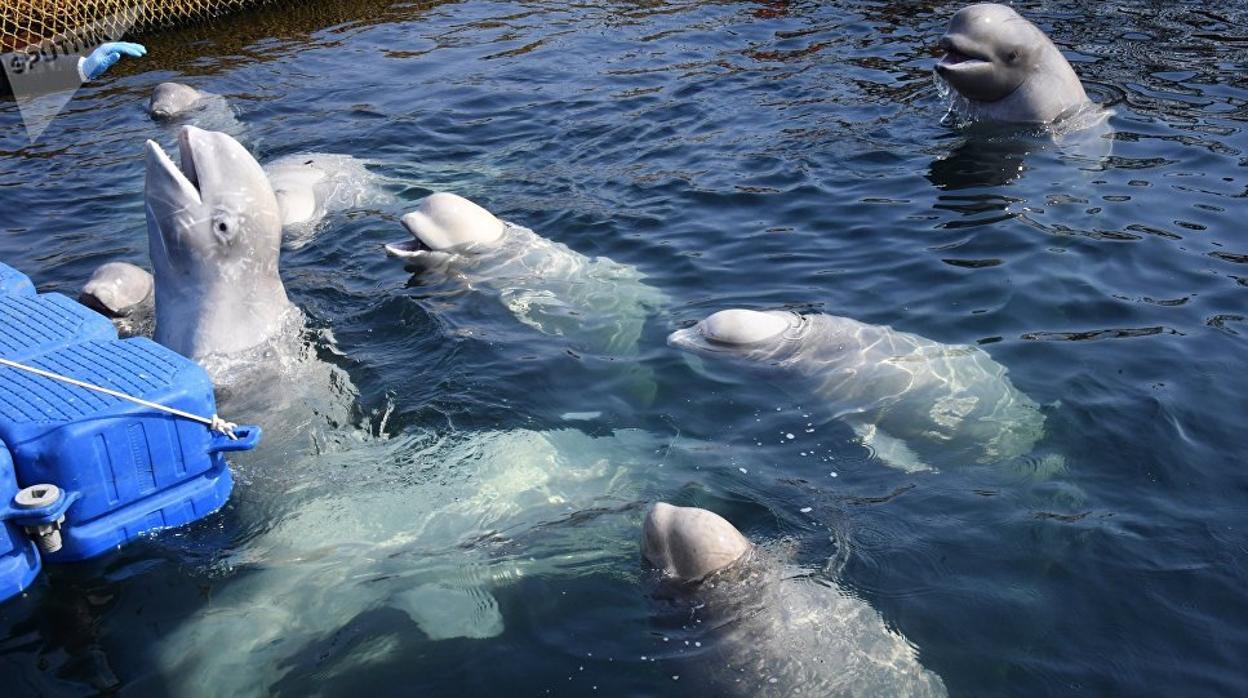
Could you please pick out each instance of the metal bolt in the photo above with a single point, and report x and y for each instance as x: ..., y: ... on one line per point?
x: 46, y: 536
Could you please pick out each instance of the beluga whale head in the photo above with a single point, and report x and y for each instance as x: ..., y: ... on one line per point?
x: 1007, y: 68
x: 446, y: 225
x: 171, y: 99
x: 751, y: 333
x: 687, y: 544
x: 214, y: 234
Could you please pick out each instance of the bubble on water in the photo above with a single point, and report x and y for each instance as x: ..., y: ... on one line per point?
x: 805, y: 510
x: 790, y: 436
x: 743, y: 471
x: 833, y: 474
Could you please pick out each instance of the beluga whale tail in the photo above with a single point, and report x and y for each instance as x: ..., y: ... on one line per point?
x: 1004, y: 69
x: 915, y: 402
x: 766, y: 627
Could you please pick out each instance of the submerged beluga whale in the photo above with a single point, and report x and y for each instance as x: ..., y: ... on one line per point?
x: 597, y: 303
x: 770, y: 629
x: 416, y: 524
x: 1006, y: 70
x: 914, y: 401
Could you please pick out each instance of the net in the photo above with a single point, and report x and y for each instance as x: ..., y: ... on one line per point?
x: 27, y: 22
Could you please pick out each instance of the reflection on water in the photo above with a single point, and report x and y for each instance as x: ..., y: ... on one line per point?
x: 756, y: 154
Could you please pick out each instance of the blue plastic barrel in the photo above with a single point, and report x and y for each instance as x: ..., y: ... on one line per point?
x: 124, y: 469
x: 14, y: 282
x: 32, y: 325
x: 19, y: 559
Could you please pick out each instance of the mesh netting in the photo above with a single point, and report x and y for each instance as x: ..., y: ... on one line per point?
x: 26, y: 22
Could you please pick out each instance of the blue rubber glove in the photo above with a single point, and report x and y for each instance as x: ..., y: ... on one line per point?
x: 104, y: 57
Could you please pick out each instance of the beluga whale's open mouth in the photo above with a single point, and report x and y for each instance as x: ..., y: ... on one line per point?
x: 169, y: 182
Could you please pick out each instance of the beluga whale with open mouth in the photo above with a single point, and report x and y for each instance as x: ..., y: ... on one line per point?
x: 914, y: 401
x: 767, y: 627
x: 1004, y: 69
x: 214, y: 235
x: 597, y: 303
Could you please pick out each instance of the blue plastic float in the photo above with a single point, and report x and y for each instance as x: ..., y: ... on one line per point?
x: 82, y: 472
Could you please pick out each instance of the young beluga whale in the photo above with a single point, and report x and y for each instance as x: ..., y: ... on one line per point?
x: 1004, y: 69
x: 914, y: 401
x: 767, y: 628
x: 600, y: 305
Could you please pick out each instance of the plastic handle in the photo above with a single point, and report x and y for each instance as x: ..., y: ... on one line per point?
x: 248, y: 435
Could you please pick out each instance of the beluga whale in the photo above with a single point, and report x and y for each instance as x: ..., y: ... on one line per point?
x: 600, y: 305
x: 214, y: 235
x: 766, y: 627
x: 172, y: 99
x: 914, y: 401
x: 311, y: 185
x: 118, y: 290
x: 176, y: 103
x: 1004, y: 69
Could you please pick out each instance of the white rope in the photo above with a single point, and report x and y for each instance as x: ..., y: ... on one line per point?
x: 215, y: 423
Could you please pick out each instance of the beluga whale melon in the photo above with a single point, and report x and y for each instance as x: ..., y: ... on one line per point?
x: 600, y: 305
x: 764, y: 626
x: 916, y: 402
x: 1004, y: 69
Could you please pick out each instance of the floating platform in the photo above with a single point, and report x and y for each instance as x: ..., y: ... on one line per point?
x: 82, y: 472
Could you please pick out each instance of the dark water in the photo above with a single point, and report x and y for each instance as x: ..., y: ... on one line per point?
x: 760, y: 154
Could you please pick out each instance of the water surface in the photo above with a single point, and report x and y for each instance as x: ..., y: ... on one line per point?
x: 761, y: 154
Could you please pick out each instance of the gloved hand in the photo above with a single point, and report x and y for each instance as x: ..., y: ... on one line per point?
x: 103, y: 58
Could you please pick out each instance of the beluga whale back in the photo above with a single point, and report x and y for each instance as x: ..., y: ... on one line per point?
x: 913, y: 400
x: 1004, y: 69
x: 214, y: 235
x: 597, y: 303
x: 767, y: 627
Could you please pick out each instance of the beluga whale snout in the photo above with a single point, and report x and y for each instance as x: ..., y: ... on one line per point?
x: 1006, y: 69
x: 214, y: 235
